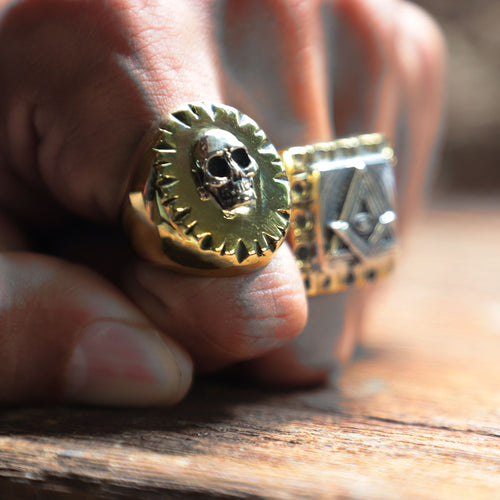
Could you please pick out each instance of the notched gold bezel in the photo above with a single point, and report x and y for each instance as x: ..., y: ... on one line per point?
x: 189, y: 230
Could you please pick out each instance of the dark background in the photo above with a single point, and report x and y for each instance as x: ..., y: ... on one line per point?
x: 470, y: 158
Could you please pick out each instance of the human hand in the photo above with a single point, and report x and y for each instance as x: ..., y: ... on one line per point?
x: 82, y: 83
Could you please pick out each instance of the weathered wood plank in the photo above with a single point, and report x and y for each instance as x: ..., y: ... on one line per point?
x: 416, y: 416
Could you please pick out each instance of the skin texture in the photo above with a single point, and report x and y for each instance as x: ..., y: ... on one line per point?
x: 82, y: 83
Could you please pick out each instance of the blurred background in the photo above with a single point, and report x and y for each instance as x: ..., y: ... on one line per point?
x: 470, y: 160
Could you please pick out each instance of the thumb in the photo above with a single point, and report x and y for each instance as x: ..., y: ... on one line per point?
x: 67, y: 334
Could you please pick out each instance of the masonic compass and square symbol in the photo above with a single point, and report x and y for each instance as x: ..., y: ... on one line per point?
x: 352, y: 238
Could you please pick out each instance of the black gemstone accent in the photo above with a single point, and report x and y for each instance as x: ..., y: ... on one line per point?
x: 350, y: 278
x: 299, y: 188
x: 307, y: 283
x: 371, y: 275
x: 302, y: 253
x: 301, y: 221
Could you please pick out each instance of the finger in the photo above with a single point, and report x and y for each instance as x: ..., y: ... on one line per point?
x: 67, y: 334
x: 85, y: 136
x: 309, y: 359
x: 411, y: 101
x: 358, y: 44
x: 360, y: 40
x: 366, y: 98
x: 281, y: 80
x: 219, y: 320
x: 223, y: 320
x: 98, y: 74
x: 368, y: 84
x: 420, y: 59
x: 270, y: 54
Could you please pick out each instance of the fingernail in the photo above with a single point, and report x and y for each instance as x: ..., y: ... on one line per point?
x: 115, y: 364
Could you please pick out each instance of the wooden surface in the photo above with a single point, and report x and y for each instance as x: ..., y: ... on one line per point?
x: 416, y: 416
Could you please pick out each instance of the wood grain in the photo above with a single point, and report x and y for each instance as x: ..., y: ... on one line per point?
x: 417, y: 415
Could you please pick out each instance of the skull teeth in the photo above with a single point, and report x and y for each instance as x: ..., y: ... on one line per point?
x: 242, y: 186
x: 238, y: 193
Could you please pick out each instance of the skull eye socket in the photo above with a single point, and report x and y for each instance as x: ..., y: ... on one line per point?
x: 218, y: 167
x: 240, y: 156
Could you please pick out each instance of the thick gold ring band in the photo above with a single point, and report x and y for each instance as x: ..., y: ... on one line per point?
x: 212, y: 196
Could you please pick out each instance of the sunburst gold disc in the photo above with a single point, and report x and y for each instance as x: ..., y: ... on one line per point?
x: 211, y: 194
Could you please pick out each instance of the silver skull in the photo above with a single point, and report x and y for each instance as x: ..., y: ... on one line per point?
x: 225, y: 168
